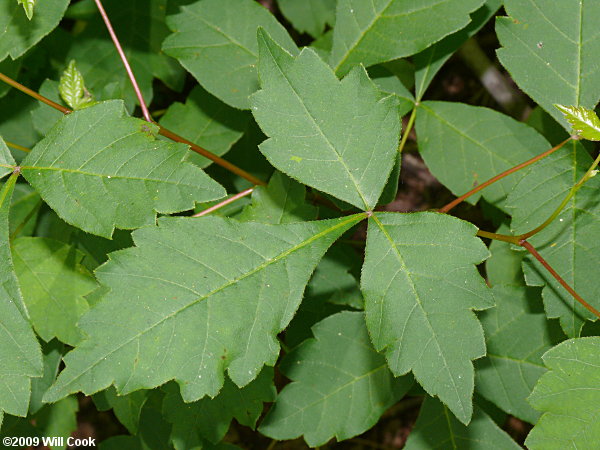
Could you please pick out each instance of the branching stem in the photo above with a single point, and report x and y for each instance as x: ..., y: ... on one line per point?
x: 589, y: 174
x: 498, y: 177
x: 130, y: 74
x: 163, y: 131
x: 558, y: 278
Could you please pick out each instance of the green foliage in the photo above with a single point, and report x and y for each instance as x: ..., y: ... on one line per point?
x: 345, y: 147
x: 133, y: 174
x: 584, y: 121
x: 19, y: 349
x: 309, y: 16
x: 341, y: 385
x: 360, y: 25
x: 532, y: 201
x: 72, y: 88
x: 28, y: 6
x: 492, y: 143
x: 517, y: 334
x: 271, y: 269
x: 14, y: 20
x: 317, y: 298
x: 53, y: 284
x: 414, y: 307
x: 436, y: 428
x: 215, y: 125
x: 568, y: 397
x: 218, y: 45
x: 547, y: 47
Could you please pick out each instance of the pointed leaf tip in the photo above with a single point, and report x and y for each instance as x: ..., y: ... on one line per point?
x: 584, y: 121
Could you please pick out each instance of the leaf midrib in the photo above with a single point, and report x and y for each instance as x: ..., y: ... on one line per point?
x: 354, y: 218
x: 316, y: 125
x: 417, y: 298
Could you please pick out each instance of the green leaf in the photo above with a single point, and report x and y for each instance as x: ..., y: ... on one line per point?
x: 549, y: 48
x: 568, y: 396
x: 504, y: 264
x: 28, y: 6
x: 464, y: 146
x: 430, y: 61
x: 53, y: 284
x: 218, y: 45
x: 309, y: 16
x: 209, y: 418
x: 7, y: 162
x: 99, y: 169
x: 18, y: 33
x: 408, y: 26
x: 52, y: 357
x: 346, y: 145
x: 517, y: 334
x: 193, y: 301
x: 340, y: 385
x: 19, y: 349
x: 389, y: 83
x: 569, y: 244
x: 45, y: 118
x: 584, y: 121
x: 282, y: 201
x: 436, y: 428
x: 127, y: 408
x: 72, y: 88
x: 153, y: 433
x: 59, y: 419
x: 333, y: 280
x: 420, y: 285
x: 141, y: 28
x: 207, y: 122
x: 24, y: 211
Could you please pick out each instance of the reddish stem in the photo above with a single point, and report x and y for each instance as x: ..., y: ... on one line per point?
x: 33, y: 94
x: 224, y: 203
x: 128, y: 69
x: 167, y: 133
x: 558, y: 278
x: 492, y: 180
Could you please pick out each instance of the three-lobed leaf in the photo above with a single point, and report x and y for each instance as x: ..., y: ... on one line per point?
x: 340, y: 385
x: 339, y: 137
x: 196, y: 297
x: 99, y: 169
x: 421, y: 286
x: 218, y: 46
x: 568, y: 397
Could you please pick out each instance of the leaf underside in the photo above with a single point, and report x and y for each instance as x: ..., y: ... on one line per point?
x: 99, y: 169
x: 420, y: 287
x: 228, y: 309
x: 338, y: 136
